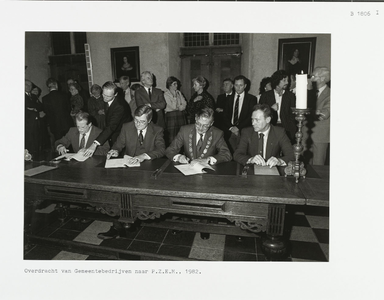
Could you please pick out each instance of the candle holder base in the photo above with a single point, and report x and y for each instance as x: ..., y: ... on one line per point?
x: 296, y: 168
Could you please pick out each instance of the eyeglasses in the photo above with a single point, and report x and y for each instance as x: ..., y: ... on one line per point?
x: 141, y: 122
x: 205, y: 126
x: 108, y: 97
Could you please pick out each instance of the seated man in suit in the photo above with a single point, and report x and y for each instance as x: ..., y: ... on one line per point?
x: 201, y: 141
x: 142, y: 140
x: 81, y: 137
x: 152, y: 97
x: 263, y: 143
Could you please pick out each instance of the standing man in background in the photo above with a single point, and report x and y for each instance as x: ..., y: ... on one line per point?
x: 115, y: 117
x: 237, y: 112
x: 151, y: 96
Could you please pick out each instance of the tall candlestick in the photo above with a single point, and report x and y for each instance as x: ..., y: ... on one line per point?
x: 301, y: 91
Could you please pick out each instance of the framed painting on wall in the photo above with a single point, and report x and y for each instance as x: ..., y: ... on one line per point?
x: 297, y: 55
x: 125, y: 61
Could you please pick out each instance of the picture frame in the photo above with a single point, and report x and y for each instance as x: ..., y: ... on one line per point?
x: 126, y: 61
x: 297, y: 55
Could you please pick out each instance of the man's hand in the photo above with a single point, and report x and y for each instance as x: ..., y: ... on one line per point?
x: 257, y: 160
x: 41, y: 114
x: 89, y: 152
x: 275, y: 106
x: 235, y: 130
x: 101, y: 112
x: 320, y: 115
x: 183, y: 159
x: 141, y: 157
x: 199, y: 160
x: 273, y: 161
x: 62, y: 150
x: 219, y: 110
x: 112, y: 153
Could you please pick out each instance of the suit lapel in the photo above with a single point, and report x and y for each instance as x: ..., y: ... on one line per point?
x: 148, y: 136
x: 270, y: 142
x: 255, y: 142
x: 76, y: 146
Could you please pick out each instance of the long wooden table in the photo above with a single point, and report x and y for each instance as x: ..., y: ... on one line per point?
x: 253, y: 203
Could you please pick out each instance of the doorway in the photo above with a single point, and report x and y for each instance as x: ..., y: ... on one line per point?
x: 213, y: 63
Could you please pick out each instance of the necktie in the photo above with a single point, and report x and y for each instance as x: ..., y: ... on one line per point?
x: 141, y: 138
x: 149, y: 94
x: 236, y: 112
x: 261, y: 145
x: 82, y: 142
x: 200, y: 142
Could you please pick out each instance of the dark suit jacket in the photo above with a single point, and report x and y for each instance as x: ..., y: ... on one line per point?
x: 31, y: 129
x: 116, y: 115
x: 245, y: 115
x: 220, y: 103
x: 287, y: 117
x: 72, y: 139
x: 153, y: 141
x: 213, y: 144
x: 277, y: 141
x: 318, y: 130
x: 157, y: 102
x: 57, y: 107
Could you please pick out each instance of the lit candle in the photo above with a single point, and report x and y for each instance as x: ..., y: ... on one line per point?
x: 301, y: 91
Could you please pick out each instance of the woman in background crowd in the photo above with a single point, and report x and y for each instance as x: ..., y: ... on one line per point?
x: 96, y: 106
x: 199, y: 99
x: 265, y: 86
x: 76, y: 100
x: 175, y: 109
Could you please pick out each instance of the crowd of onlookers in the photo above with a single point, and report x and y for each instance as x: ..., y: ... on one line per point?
x: 49, y: 118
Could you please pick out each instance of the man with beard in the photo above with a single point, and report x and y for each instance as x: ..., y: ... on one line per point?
x: 281, y: 101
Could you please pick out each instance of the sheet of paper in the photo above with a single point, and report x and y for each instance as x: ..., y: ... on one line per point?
x: 187, y: 169
x: 38, y: 170
x: 193, y: 168
x: 128, y: 163
x: 120, y: 162
x: 265, y: 170
x: 114, y: 163
x: 77, y: 156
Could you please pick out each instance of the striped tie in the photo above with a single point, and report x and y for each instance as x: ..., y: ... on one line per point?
x: 82, y: 142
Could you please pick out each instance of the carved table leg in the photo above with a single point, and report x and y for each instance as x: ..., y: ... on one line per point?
x: 62, y: 209
x: 274, y: 245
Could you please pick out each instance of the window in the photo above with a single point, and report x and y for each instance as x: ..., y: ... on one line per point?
x: 211, y: 39
x: 196, y: 39
x: 61, y: 42
x: 226, y: 39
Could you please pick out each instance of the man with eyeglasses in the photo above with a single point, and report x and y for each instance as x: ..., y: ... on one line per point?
x: 116, y: 115
x: 201, y: 141
x: 316, y: 131
x: 142, y: 139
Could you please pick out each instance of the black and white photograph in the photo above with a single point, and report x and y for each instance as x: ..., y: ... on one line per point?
x: 170, y: 153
